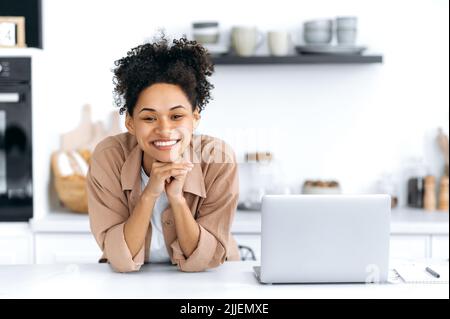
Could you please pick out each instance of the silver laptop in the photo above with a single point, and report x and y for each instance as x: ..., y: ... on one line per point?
x: 324, y: 238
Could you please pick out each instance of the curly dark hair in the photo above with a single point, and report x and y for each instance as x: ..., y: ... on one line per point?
x: 184, y: 63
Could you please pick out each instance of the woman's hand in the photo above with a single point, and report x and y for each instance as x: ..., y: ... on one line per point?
x: 168, y: 176
x: 174, y: 184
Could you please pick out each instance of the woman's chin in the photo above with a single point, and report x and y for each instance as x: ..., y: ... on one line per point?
x: 165, y: 156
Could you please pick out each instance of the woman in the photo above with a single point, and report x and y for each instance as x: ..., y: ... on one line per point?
x: 159, y: 193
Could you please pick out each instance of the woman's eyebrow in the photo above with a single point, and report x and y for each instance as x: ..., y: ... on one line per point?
x: 153, y: 110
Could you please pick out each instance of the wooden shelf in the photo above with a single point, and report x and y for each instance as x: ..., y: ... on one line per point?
x: 298, y: 59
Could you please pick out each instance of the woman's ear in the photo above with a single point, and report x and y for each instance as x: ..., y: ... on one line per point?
x: 129, y: 124
x: 197, y: 118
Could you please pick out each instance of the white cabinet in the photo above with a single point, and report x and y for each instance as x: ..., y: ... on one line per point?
x: 66, y: 248
x: 16, y: 244
x: 409, y: 246
x: 419, y: 246
x: 439, y: 246
x: 66, y: 238
x: 401, y: 246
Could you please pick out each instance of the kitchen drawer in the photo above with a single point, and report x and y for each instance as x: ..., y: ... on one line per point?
x: 66, y: 248
x: 440, y: 246
x: 249, y: 240
x: 410, y: 246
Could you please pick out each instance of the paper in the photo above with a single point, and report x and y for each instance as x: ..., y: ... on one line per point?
x: 416, y: 273
x: 7, y: 33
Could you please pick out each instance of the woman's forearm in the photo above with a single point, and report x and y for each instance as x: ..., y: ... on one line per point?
x: 188, y: 231
x: 135, y: 228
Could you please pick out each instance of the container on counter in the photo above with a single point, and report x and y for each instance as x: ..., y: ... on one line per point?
x: 264, y: 177
x: 416, y: 183
x: 429, y: 196
x: 443, y: 194
x: 387, y: 185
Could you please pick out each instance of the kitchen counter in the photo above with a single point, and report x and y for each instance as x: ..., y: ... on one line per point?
x: 230, y: 280
x: 403, y: 221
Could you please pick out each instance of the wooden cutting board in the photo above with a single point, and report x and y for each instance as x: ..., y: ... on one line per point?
x: 88, y: 134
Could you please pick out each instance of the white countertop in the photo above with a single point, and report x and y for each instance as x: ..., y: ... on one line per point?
x: 230, y: 280
x: 403, y: 221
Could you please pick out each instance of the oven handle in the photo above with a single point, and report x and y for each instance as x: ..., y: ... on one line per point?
x: 9, y: 97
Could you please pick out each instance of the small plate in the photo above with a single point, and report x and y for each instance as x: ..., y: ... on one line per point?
x: 330, y: 49
x: 216, y: 49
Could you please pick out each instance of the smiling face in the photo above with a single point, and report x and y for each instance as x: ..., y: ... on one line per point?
x: 162, y: 122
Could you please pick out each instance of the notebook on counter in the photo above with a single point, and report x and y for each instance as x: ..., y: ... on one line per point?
x: 416, y: 273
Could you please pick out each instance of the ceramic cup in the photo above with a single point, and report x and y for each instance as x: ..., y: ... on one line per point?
x: 245, y: 40
x: 278, y: 42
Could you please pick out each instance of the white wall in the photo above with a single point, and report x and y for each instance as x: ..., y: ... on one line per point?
x: 349, y: 122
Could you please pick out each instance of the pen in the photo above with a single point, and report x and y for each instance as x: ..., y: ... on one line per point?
x: 432, y: 272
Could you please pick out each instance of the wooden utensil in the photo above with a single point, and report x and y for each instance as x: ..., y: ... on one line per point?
x: 429, y: 197
x: 80, y: 137
x: 442, y: 140
x: 443, y: 194
x: 88, y: 134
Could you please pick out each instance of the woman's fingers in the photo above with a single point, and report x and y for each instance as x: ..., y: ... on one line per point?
x: 173, y: 173
x: 175, y: 170
x: 179, y: 176
x: 173, y: 165
x: 167, y: 170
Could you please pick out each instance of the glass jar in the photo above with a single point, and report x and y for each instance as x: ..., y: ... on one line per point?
x: 387, y: 185
x: 415, y: 183
x: 261, y: 173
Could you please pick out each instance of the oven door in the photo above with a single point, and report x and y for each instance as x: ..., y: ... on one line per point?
x: 16, y: 195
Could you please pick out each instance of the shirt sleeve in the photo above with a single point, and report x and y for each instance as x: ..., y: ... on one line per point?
x: 214, y: 218
x: 108, y: 212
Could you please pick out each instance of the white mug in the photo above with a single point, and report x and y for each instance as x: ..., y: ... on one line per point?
x: 245, y: 40
x: 278, y: 42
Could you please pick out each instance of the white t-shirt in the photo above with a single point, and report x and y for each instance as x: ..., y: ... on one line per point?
x: 158, y: 251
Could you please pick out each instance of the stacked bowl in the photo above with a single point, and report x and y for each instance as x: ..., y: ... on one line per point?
x: 318, y: 31
x: 346, y: 29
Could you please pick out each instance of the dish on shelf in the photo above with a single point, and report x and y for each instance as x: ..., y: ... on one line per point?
x: 330, y: 49
x: 216, y: 49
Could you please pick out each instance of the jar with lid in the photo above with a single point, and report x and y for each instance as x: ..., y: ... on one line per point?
x: 262, y: 177
x: 416, y: 183
x: 387, y: 185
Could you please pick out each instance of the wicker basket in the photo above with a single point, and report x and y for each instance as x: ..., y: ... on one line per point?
x: 71, y: 189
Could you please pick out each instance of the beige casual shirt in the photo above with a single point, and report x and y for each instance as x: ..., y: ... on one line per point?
x: 211, y: 191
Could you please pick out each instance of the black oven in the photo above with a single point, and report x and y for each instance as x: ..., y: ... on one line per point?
x: 16, y: 191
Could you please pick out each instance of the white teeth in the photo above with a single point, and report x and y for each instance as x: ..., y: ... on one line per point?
x: 167, y: 143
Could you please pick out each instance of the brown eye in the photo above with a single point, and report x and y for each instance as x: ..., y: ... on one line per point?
x: 149, y: 119
x: 177, y: 117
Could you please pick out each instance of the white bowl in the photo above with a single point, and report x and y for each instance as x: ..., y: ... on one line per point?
x: 321, y: 190
x: 317, y: 36
x: 318, y: 24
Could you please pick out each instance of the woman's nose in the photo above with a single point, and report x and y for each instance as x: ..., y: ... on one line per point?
x: 164, y: 127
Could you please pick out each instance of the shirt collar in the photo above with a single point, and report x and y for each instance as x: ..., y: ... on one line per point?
x: 130, y: 175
